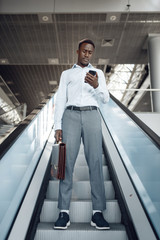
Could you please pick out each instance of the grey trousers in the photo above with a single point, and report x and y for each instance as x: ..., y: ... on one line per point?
x: 85, y: 125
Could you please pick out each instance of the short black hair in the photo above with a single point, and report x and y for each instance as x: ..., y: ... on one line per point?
x: 86, y: 40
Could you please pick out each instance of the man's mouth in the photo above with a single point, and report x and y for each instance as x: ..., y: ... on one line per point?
x: 85, y: 59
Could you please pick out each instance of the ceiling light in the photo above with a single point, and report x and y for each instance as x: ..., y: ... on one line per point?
x: 53, y: 61
x: 52, y: 82
x: 45, y: 18
x: 113, y: 17
x: 4, y: 61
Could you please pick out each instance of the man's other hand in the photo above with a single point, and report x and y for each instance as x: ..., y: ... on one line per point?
x: 58, y: 135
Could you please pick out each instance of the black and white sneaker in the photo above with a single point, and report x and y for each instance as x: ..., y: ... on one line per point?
x: 99, y: 222
x: 63, y: 221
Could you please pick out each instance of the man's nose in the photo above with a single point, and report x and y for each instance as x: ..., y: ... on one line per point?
x: 86, y: 54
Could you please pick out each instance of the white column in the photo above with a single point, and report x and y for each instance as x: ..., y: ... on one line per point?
x: 154, y: 61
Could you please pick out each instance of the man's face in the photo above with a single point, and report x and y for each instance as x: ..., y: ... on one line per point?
x: 84, y: 54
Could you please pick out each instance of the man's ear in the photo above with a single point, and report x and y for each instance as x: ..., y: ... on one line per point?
x: 77, y: 51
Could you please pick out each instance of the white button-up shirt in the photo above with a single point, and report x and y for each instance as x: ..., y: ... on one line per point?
x: 74, y: 91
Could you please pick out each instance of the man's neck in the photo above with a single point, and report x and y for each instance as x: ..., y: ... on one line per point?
x: 82, y: 65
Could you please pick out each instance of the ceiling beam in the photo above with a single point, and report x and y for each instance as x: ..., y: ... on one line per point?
x: 76, y: 6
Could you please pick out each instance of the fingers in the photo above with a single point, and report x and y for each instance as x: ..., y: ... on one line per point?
x: 89, y: 78
x: 92, y: 80
x: 58, y: 135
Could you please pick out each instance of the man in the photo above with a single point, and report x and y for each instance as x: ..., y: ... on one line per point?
x: 76, y: 117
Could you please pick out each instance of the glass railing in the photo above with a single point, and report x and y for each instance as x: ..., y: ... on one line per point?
x: 140, y: 156
x: 12, y: 111
x: 19, y: 162
x: 13, y: 115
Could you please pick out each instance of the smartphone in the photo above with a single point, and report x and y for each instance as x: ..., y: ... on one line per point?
x: 92, y: 72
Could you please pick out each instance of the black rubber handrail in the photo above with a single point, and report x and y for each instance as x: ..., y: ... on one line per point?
x: 153, y: 136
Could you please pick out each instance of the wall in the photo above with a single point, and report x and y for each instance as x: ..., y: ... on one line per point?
x: 152, y: 120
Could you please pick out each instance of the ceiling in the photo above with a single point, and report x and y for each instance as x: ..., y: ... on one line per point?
x: 36, y: 48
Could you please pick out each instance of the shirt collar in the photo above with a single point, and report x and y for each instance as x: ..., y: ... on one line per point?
x: 89, y: 66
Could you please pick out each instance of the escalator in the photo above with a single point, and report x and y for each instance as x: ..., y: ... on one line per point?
x: 81, y: 208
x: 131, y: 162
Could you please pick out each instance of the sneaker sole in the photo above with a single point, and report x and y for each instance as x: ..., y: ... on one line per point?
x: 63, y: 228
x: 99, y: 228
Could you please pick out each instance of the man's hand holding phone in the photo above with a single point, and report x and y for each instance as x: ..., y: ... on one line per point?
x: 92, y: 78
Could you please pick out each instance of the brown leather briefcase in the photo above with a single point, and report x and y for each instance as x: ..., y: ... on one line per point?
x: 58, y: 160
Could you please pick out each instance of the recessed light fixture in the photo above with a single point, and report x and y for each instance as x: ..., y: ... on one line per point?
x: 53, y: 61
x: 113, y: 17
x: 4, y: 61
x: 52, y: 82
x: 45, y: 18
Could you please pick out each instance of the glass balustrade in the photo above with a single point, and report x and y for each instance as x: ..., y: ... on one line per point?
x: 140, y: 156
x: 19, y: 162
